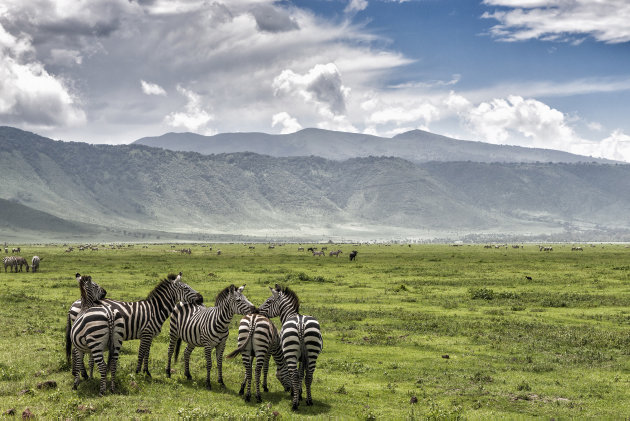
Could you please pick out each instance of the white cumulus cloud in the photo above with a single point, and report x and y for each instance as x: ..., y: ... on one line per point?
x: 289, y: 124
x: 152, y: 88
x: 500, y: 120
x: 28, y: 93
x: 356, y: 6
x: 321, y: 85
x: 195, y: 118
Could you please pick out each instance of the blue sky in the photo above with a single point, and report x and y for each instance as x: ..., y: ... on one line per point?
x: 552, y: 74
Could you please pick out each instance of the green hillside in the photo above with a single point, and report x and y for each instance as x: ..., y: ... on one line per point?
x: 134, y: 187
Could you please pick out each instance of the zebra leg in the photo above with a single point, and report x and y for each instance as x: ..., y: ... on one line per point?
x: 77, y: 356
x: 102, y: 368
x: 260, y: 360
x: 220, y: 349
x: 295, y: 379
x: 171, y: 349
x: 187, y: 352
x: 208, y: 352
x: 143, y: 353
x: 308, y: 380
x: 246, y: 361
x: 248, y: 378
x: 90, y: 364
x: 266, y: 371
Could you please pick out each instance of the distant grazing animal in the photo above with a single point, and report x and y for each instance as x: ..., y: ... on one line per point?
x: 324, y: 248
x: 144, y: 319
x: 577, y: 249
x: 335, y: 253
x: 319, y: 253
x: 97, y: 328
x: 35, y: 263
x: 208, y: 327
x: 301, y: 339
x: 20, y: 261
x: 258, y: 338
x: 16, y: 250
x: 218, y: 252
x: 9, y: 261
x: 6, y: 250
x: 300, y: 248
x: 529, y: 278
x: 353, y: 255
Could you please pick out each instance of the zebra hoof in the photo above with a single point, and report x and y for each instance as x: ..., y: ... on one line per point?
x: 84, y: 374
x: 168, y: 373
x: 248, y: 397
x: 258, y: 398
x: 294, y: 407
x: 309, y: 402
x: 208, y: 386
x: 265, y: 388
x: 146, y: 373
x: 188, y: 376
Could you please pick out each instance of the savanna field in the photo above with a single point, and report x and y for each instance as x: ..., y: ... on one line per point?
x: 410, y: 332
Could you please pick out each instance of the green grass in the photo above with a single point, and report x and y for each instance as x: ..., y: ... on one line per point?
x: 459, y: 328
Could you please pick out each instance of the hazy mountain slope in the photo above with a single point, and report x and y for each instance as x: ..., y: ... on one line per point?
x: 147, y: 188
x: 19, y: 217
x: 415, y: 146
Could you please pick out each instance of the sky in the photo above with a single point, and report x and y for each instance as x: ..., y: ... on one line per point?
x: 552, y: 74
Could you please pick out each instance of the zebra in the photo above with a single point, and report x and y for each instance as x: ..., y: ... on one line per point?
x: 258, y: 338
x: 97, y: 328
x: 20, y: 261
x: 144, y: 319
x: 198, y: 325
x: 35, y: 263
x: 301, y: 339
x: 9, y: 261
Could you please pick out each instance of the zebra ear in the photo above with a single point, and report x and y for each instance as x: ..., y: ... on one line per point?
x: 278, y: 288
x: 240, y: 290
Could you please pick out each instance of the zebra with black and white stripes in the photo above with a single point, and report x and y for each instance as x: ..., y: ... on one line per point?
x: 207, y: 327
x: 258, y: 338
x: 20, y: 261
x: 144, y: 319
x: 35, y: 263
x: 97, y: 293
x: 10, y: 262
x: 301, y: 339
x: 97, y: 328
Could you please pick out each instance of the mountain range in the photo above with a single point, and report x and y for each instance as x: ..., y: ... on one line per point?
x: 53, y: 189
x: 416, y: 146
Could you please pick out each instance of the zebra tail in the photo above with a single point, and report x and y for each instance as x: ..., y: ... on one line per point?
x: 68, y: 341
x: 244, y: 344
x: 177, y: 346
x: 110, y: 325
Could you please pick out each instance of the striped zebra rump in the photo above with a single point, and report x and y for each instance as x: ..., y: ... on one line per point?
x: 97, y: 330
x: 301, y: 344
x: 258, y: 338
x: 11, y: 262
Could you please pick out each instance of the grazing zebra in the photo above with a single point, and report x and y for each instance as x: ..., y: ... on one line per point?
x: 206, y: 326
x: 301, y: 339
x: 97, y: 328
x: 144, y: 319
x: 20, y: 261
x: 16, y: 250
x: 35, y: 263
x: 258, y: 338
x: 319, y: 253
x: 335, y: 253
x: 9, y: 261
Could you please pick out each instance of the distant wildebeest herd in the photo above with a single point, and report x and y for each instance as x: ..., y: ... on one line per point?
x: 96, y: 324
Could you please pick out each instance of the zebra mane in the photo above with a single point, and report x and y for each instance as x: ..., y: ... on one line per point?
x: 170, y: 278
x: 86, y: 298
x: 224, y: 294
x: 291, y: 295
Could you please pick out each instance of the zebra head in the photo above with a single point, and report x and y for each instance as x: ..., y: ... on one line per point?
x: 95, y: 290
x: 235, y: 300
x: 183, y: 291
x: 283, y: 301
x: 87, y: 291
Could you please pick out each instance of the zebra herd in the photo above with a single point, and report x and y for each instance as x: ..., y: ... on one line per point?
x: 17, y: 262
x: 96, y: 324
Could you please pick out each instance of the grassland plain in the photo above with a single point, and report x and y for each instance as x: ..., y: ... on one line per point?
x: 461, y: 329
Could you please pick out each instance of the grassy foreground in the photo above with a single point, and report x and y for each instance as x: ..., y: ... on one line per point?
x: 459, y: 329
